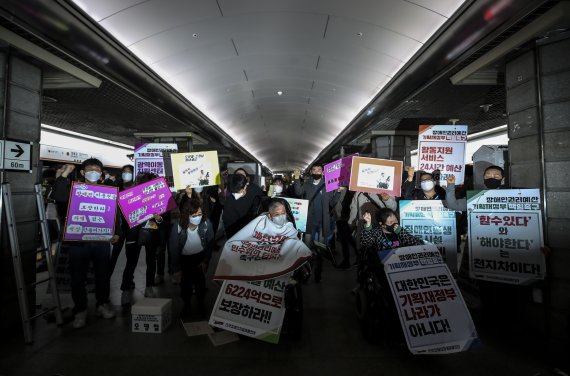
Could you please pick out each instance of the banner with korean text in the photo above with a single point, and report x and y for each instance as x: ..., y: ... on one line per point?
x: 91, y: 213
x: 300, y: 210
x: 255, y: 309
x: 506, y: 235
x: 433, y: 315
x: 435, y: 224
x: 200, y: 169
x: 441, y: 148
x: 140, y: 202
x: 337, y: 173
x: 155, y: 159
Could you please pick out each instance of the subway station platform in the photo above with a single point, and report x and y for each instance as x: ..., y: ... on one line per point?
x: 331, y: 344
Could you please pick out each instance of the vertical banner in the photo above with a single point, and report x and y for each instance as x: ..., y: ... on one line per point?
x: 506, y: 235
x: 255, y: 309
x: 337, y: 173
x: 375, y: 175
x: 198, y: 169
x: 435, y: 224
x: 140, y: 202
x: 91, y: 213
x: 433, y: 315
x: 441, y: 148
x: 300, y: 210
x: 155, y: 159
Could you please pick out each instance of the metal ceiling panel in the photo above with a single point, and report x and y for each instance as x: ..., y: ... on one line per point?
x: 100, y: 10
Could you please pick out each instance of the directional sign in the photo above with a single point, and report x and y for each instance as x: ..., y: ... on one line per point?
x: 17, y: 156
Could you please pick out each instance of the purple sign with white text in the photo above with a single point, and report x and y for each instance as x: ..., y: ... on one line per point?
x: 337, y: 173
x: 141, y: 202
x: 91, y: 213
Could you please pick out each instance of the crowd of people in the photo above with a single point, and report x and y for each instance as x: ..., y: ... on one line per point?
x: 354, y: 220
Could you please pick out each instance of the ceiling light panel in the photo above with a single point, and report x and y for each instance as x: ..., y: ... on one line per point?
x: 309, y: 50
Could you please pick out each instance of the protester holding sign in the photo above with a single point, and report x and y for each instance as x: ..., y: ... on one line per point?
x: 81, y: 253
x: 429, y: 190
x: 363, y: 202
x: 190, y: 251
x: 126, y: 182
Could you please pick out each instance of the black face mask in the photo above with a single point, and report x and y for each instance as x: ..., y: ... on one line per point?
x: 390, y: 228
x: 316, y: 176
x: 492, y: 183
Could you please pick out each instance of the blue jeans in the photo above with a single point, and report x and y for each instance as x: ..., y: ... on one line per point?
x: 80, y: 254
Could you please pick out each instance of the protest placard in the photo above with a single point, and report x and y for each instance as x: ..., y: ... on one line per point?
x: 91, y: 213
x: 435, y: 224
x: 433, y: 315
x: 155, y: 159
x: 441, y: 149
x: 375, y: 175
x: 506, y: 235
x: 198, y: 169
x: 255, y: 309
x: 300, y: 210
x: 140, y: 202
x: 337, y: 173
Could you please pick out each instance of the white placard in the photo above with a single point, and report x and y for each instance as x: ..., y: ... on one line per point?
x: 300, y: 210
x: 506, y: 235
x: 433, y: 315
x: 435, y: 224
x: 442, y: 148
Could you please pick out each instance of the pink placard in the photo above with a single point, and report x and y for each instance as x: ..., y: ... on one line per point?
x: 140, y: 202
x: 337, y: 173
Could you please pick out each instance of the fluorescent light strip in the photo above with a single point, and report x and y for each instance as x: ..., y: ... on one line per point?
x: 86, y: 136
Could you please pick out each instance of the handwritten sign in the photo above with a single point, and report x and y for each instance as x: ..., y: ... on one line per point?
x: 441, y: 148
x: 139, y: 203
x: 375, y: 175
x: 91, y: 213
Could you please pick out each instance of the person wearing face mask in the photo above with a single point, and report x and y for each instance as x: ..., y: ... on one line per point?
x: 429, y: 190
x: 242, y: 206
x: 320, y: 204
x: 387, y: 235
x: 125, y: 183
x: 493, y: 178
x: 191, y: 243
x: 278, y: 188
x: 81, y: 254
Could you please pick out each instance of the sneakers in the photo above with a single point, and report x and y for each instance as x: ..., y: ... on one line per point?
x: 80, y: 319
x: 158, y: 279
x: 105, y: 311
x: 149, y: 293
x: 126, y: 298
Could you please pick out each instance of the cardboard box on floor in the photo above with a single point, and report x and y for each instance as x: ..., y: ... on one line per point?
x: 151, y: 315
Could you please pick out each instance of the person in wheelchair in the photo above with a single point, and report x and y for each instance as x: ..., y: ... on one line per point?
x: 375, y: 306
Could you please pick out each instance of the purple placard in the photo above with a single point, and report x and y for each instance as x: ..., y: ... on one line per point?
x: 337, y: 173
x: 140, y: 202
x: 91, y: 213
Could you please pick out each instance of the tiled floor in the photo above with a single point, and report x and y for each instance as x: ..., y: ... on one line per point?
x: 331, y: 344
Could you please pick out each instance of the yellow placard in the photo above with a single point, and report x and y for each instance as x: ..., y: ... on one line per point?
x: 199, y: 169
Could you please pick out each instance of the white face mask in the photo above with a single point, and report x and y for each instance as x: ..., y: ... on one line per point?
x: 278, y: 189
x: 127, y: 177
x: 238, y: 195
x: 196, y: 220
x: 92, y: 176
x: 279, y: 220
x: 198, y: 189
x: 427, y: 185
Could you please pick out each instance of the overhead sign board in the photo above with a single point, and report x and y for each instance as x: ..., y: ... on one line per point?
x: 16, y: 155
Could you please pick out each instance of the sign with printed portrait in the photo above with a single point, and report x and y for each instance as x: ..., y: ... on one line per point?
x: 91, y: 213
x: 506, y: 235
x: 199, y: 169
x: 432, y: 312
x: 375, y: 175
x: 441, y: 149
